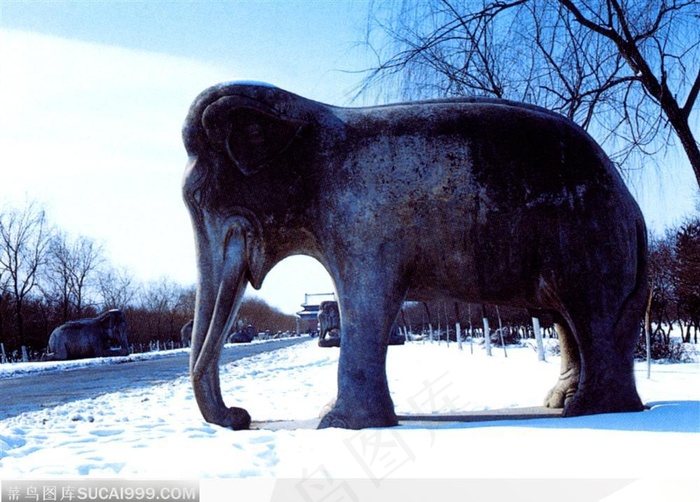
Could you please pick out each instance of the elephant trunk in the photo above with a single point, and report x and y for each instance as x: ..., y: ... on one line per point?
x: 219, y: 294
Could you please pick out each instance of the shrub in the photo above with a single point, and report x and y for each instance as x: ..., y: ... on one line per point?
x: 665, y: 349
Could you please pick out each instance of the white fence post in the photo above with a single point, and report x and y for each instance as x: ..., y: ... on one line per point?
x: 538, y: 338
x: 487, y: 336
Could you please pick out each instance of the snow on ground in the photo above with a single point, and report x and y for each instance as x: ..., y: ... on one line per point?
x: 158, y: 432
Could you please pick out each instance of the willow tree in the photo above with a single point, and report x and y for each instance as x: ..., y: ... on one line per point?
x: 627, y: 70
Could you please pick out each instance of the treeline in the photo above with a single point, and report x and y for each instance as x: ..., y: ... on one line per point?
x: 674, y: 302
x: 48, y: 277
x: 674, y: 267
x: 441, y: 318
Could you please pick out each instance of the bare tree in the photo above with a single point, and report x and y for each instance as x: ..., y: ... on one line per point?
x: 117, y: 289
x: 687, y: 275
x: 628, y: 71
x: 163, y: 308
x: 24, y: 239
x: 4, y: 299
x: 71, y: 271
x: 257, y: 313
x: 661, y: 271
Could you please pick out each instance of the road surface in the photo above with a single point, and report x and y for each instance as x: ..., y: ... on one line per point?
x: 45, y: 390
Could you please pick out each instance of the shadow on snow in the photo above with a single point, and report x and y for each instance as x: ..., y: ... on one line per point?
x: 663, y: 416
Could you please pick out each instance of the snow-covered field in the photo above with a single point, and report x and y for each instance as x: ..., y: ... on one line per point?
x: 158, y: 433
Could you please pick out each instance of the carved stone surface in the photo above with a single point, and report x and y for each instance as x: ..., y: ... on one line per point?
x: 476, y: 200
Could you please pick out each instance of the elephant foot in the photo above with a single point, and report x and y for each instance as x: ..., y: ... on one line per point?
x: 234, y: 418
x: 563, y: 391
x: 558, y: 397
x: 355, y: 420
x: 608, y: 401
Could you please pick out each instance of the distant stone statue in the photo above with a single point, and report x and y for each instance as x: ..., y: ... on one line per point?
x: 186, y: 333
x: 243, y: 335
x: 329, y: 334
x: 475, y: 200
x: 328, y: 324
x: 102, y: 336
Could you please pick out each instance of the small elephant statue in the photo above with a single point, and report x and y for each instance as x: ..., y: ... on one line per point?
x: 476, y: 200
x: 328, y: 324
x: 102, y: 336
x: 243, y: 335
x: 186, y: 333
x: 329, y: 334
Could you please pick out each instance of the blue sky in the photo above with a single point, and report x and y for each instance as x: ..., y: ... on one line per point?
x: 299, y: 42
x: 93, y: 95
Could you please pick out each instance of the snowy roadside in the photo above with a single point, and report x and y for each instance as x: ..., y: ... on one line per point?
x: 14, y: 370
x: 157, y: 432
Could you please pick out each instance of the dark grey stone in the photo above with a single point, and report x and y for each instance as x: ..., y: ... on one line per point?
x: 476, y: 200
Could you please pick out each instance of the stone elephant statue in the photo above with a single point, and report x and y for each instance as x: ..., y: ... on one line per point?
x: 329, y: 334
x: 328, y: 324
x: 186, y: 333
x: 243, y: 335
x: 475, y: 200
x: 102, y: 336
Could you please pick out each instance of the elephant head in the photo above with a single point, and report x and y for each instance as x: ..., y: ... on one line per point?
x: 112, y: 325
x: 239, y: 140
x: 475, y: 200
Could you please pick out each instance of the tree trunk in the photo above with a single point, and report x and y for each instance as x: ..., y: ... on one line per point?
x: 20, y: 321
x: 647, y: 328
x: 500, y: 332
x: 690, y: 146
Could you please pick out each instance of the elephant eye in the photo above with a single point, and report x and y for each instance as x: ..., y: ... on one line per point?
x: 256, y: 137
x: 256, y: 134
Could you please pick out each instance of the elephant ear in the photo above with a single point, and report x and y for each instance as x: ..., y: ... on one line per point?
x: 251, y: 134
x: 105, y: 322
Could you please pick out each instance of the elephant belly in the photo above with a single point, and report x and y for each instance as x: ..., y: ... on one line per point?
x: 78, y: 343
x: 81, y: 351
x: 506, y: 282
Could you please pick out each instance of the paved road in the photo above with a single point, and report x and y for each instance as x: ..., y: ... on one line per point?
x: 44, y: 390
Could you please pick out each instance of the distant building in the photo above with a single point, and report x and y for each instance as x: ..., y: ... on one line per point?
x: 307, y: 318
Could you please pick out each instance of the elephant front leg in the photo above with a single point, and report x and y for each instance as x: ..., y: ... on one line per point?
x: 363, y: 391
x: 207, y: 390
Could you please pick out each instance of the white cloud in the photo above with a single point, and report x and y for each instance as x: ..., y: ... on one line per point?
x: 93, y: 132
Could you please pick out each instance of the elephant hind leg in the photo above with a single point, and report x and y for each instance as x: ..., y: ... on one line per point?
x: 570, y: 368
x: 606, y: 344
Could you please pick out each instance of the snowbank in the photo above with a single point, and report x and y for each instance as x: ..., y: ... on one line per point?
x: 157, y: 432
